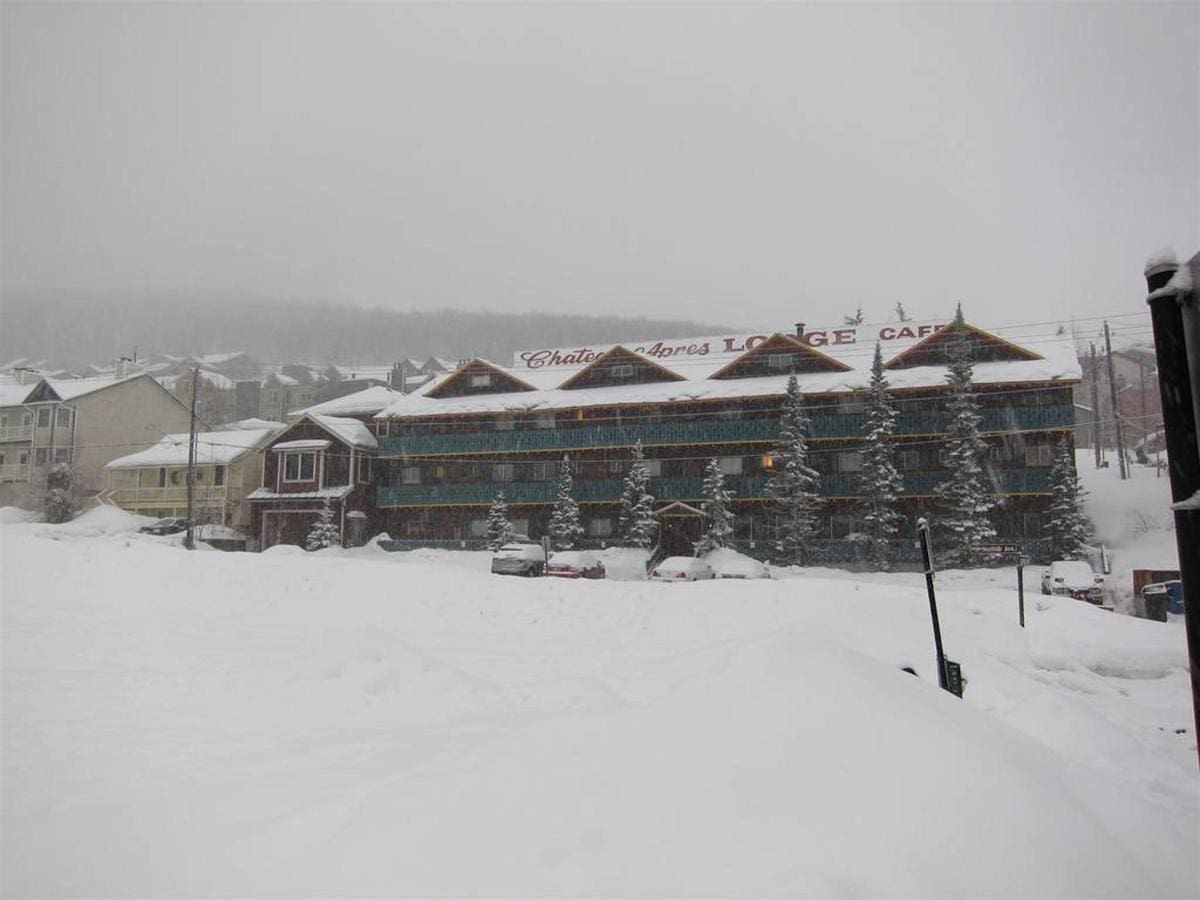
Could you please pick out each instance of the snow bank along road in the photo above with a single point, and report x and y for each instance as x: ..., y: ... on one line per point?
x: 325, y: 724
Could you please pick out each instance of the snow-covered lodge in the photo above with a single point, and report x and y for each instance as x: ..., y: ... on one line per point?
x: 447, y: 450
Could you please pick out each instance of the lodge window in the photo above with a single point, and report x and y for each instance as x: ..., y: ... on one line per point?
x: 743, y: 527
x: 544, y: 420
x: 909, y: 460
x: 621, y: 370
x: 162, y: 478
x: 1000, y: 451
x: 410, y: 475
x: 481, y: 380
x: 477, y: 528
x: 543, y: 471
x: 299, y: 466
x: 502, y: 472
x: 654, y: 467
x: 505, y: 423
x: 727, y: 415
x: 1042, y: 455
x: 615, y: 467
x: 851, y: 405
x: 841, y: 525
x: 731, y: 465
x: 218, y: 476
x: 63, y: 419
x: 43, y: 417
x: 1032, y: 524
x: 781, y: 362
x: 943, y: 456
x: 599, y: 527
x: 849, y: 461
x: 520, y: 526
x: 364, y: 470
x: 23, y: 457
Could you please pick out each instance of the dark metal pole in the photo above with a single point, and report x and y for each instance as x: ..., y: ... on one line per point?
x: 927, y: 559
x: 189, y: 539
x: 1021, y: 588
x: 1174, y: 314
x: 1116, y: 409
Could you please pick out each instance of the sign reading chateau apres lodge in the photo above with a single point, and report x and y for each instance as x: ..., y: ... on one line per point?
x: 719, y: 346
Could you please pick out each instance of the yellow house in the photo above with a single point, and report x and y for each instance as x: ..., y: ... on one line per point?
x: 229, y: 465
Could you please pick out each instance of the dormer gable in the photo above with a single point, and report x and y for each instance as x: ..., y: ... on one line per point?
x: 617, y: 367
x: 935, y: 350
x: 478, y: 376
x: 780, y: 354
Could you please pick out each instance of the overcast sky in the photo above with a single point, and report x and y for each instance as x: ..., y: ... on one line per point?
x: 742, y: 165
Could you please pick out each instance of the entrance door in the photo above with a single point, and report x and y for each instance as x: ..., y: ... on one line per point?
x: 680, y: 527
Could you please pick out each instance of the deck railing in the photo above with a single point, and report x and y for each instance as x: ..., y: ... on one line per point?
x: 707, y: 431
x: 14, y: 472
x: 175, y: 496
x: 16, y: 433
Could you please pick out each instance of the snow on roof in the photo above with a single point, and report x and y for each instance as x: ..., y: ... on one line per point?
x: 369, y: 372
x: 13, y: 393
x: 329, y: 493
x: 365, y: 402
x: 218, y: 358
x: 251, y: 424
x: 305, y: 444
x: 1058, y: 363
x: 212, y: 448
x: 348, y: 431
x: 216, y: 379
x: 71, y: 388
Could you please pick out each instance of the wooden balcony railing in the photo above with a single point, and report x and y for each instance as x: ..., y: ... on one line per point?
x: 173, y: 496
x: 16, y: 433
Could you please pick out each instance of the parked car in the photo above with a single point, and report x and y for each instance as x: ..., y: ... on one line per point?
x: 575, y: 564
x: 681, y: 568
x: 735, y: 565
x: 1072, y: 578
x: 519, y: 558
x: 169, y: 525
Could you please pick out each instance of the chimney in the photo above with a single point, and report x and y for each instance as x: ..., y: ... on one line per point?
x: 123, y: 367
x: 800, y: 330
x: 1160, y: 270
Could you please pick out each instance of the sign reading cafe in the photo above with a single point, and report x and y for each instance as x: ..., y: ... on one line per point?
x: 732, y: 345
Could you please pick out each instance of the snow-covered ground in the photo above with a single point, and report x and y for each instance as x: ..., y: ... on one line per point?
x: 362, y: 723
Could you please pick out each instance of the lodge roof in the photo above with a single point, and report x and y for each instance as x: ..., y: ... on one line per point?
x: 695, y: 362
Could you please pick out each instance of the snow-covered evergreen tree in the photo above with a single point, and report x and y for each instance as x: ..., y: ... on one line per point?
x: 499, y: 528
x: 879, y: 480
x: 324, y: 532
x: 856, y: 319
x: 1067, y: 526
x: 637, y: 526
x: 718, y: 517
x: 964, y: 521
x: 793, y: 484
x: 58, y: 494
x: 565, y: 530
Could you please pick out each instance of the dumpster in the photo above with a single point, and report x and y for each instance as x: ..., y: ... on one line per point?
x: 1154, y: 600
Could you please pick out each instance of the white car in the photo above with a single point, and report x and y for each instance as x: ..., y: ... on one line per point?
x: 517, y: 558
x: 739, y: 567
x: 682, y: 568
x: 1073, y: 578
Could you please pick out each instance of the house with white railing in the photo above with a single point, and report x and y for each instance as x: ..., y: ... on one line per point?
x: 16, y: 431
x: 228, y: 465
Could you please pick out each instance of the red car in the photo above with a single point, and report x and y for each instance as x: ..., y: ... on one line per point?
x: 575, y: 564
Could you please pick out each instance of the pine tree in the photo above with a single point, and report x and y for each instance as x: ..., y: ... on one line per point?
x: 881, y: 483
x: 58, y: 494
x: 324, y: 532
x: 637, y: 525
x: 856, y: 319
x: 901, y: 314
x: 499, y: 528
x: 964, y: 523
x: 718, y: 518
x: 565, y: 530
x: 1067, y: 527
x: 793, y: 484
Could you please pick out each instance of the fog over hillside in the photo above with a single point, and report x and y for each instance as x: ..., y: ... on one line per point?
x: 71, y: 331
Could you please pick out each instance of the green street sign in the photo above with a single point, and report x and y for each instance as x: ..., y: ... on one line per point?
x: 954, y: 679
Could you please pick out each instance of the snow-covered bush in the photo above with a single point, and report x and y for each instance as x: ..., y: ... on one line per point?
x: 324, y: 532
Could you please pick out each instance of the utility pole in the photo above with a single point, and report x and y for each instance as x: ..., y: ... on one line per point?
x: 189, y: 539
x: 1095, y: 404
x: 1116, y: 412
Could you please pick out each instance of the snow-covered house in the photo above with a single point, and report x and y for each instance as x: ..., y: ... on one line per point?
x: 86, y: 422
x: 229, y: 465
x: 447, y: 449
x: 315, y: 460
x: 16, y: 430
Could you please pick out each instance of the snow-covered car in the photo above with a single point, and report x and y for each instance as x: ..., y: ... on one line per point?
x: 681, y: 568
x: 169, y: 525
x: 1073, y: 578
x: 731, y: 564
x: 575, y: 564
x: 516, y: 558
